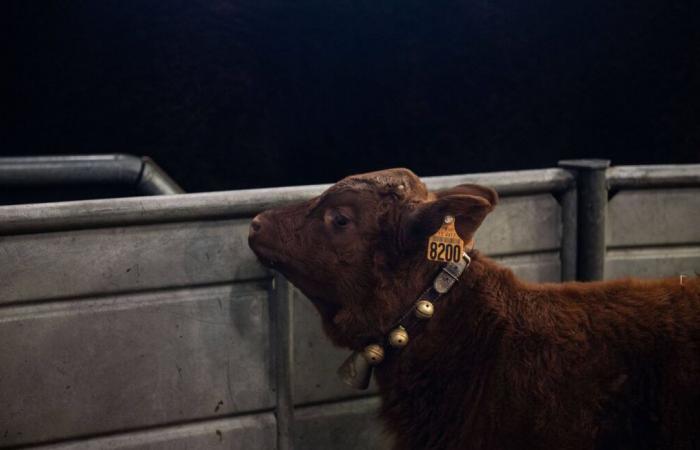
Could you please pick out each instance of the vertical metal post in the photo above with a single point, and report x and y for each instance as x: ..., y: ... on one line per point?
x: 567, y: 252
x: 282, y: 310
x: 592, y: 200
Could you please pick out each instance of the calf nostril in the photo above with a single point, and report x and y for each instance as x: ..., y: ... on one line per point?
x: 255, y: 225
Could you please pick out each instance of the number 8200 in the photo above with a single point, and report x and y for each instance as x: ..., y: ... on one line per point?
x: 439, y: 251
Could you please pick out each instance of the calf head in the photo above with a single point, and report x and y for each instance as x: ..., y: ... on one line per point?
x: 358, y: 250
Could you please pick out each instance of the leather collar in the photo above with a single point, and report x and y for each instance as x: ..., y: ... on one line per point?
x: 356, y: 371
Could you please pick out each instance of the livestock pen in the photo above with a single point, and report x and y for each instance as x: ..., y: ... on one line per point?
x: 147, y: 322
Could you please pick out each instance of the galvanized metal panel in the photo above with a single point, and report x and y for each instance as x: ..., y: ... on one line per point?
x: 520, y: 225
x: 109, y: 260
x: 538, y: 267
x: 347, y: 425
x: 316, y: 359
x: 238, y: 433
x: 107, y: 364
x: 653, y: 262
x: 654, y: 217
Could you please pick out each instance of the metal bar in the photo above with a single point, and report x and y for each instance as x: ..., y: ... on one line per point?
x: 70, y: 169
x: 282, y: 304
x: 592, y: 199
x: 232, y: 204
x: 520, y: 182
x: 124, y: 169
x: 567, y: 253
x: 154, y: 180
x: 640, y: 177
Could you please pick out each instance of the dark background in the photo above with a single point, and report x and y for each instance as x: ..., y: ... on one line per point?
x: 235, y: 94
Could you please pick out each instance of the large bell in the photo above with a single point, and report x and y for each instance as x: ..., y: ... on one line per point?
x: 356, y: 371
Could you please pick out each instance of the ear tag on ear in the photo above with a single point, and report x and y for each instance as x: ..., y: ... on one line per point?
x: 445, y: 245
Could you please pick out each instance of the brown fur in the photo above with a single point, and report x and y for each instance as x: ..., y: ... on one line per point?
x: 503, y: 364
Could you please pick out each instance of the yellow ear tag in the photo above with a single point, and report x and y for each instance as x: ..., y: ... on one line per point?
x: 445, y: 245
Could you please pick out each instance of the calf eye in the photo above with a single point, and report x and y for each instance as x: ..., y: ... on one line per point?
x: 340, y: 220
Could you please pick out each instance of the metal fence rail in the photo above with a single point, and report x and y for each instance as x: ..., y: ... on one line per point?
x: 173, y: 278
x: 142, y: 173
x: 241, y: 203
x: 653, y: 176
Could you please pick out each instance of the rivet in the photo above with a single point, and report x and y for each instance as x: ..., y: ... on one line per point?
x: 449, y: 219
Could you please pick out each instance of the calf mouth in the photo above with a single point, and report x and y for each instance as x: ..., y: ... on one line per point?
x: 271, y: 256
x: 272, y: 259
x: 268, y: 256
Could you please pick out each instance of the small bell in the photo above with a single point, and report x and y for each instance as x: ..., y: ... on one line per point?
x: 398, y: 337
x: 356, y: 371
x: 374, y: 354
x: 424, y: 309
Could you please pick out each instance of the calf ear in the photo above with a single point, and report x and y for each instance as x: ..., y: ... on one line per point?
x: 476, y: 190
x: 468, y: 203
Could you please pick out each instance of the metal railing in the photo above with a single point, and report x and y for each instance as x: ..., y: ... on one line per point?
x: 123, y: 169
x: 246, y: 203
x: 596, y: 182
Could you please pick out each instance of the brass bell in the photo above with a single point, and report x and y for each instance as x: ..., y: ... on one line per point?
x: 398, y: 337
x: 424, y: 309
x: 356, y: 371
x: 374, y: 354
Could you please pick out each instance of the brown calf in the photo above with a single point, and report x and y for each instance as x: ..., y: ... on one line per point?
x: 502, y: 364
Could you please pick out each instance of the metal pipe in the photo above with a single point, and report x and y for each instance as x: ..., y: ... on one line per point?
x: 567, y: 252
x: 281, y: 308
x: 519, y: 182
x: 592, y: 200
x: 231, y: 204
x: 124, y: 169
x: 154, y: 180
x: 641, y: 177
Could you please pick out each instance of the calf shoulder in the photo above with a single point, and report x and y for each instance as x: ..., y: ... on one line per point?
x: 508, y: 364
